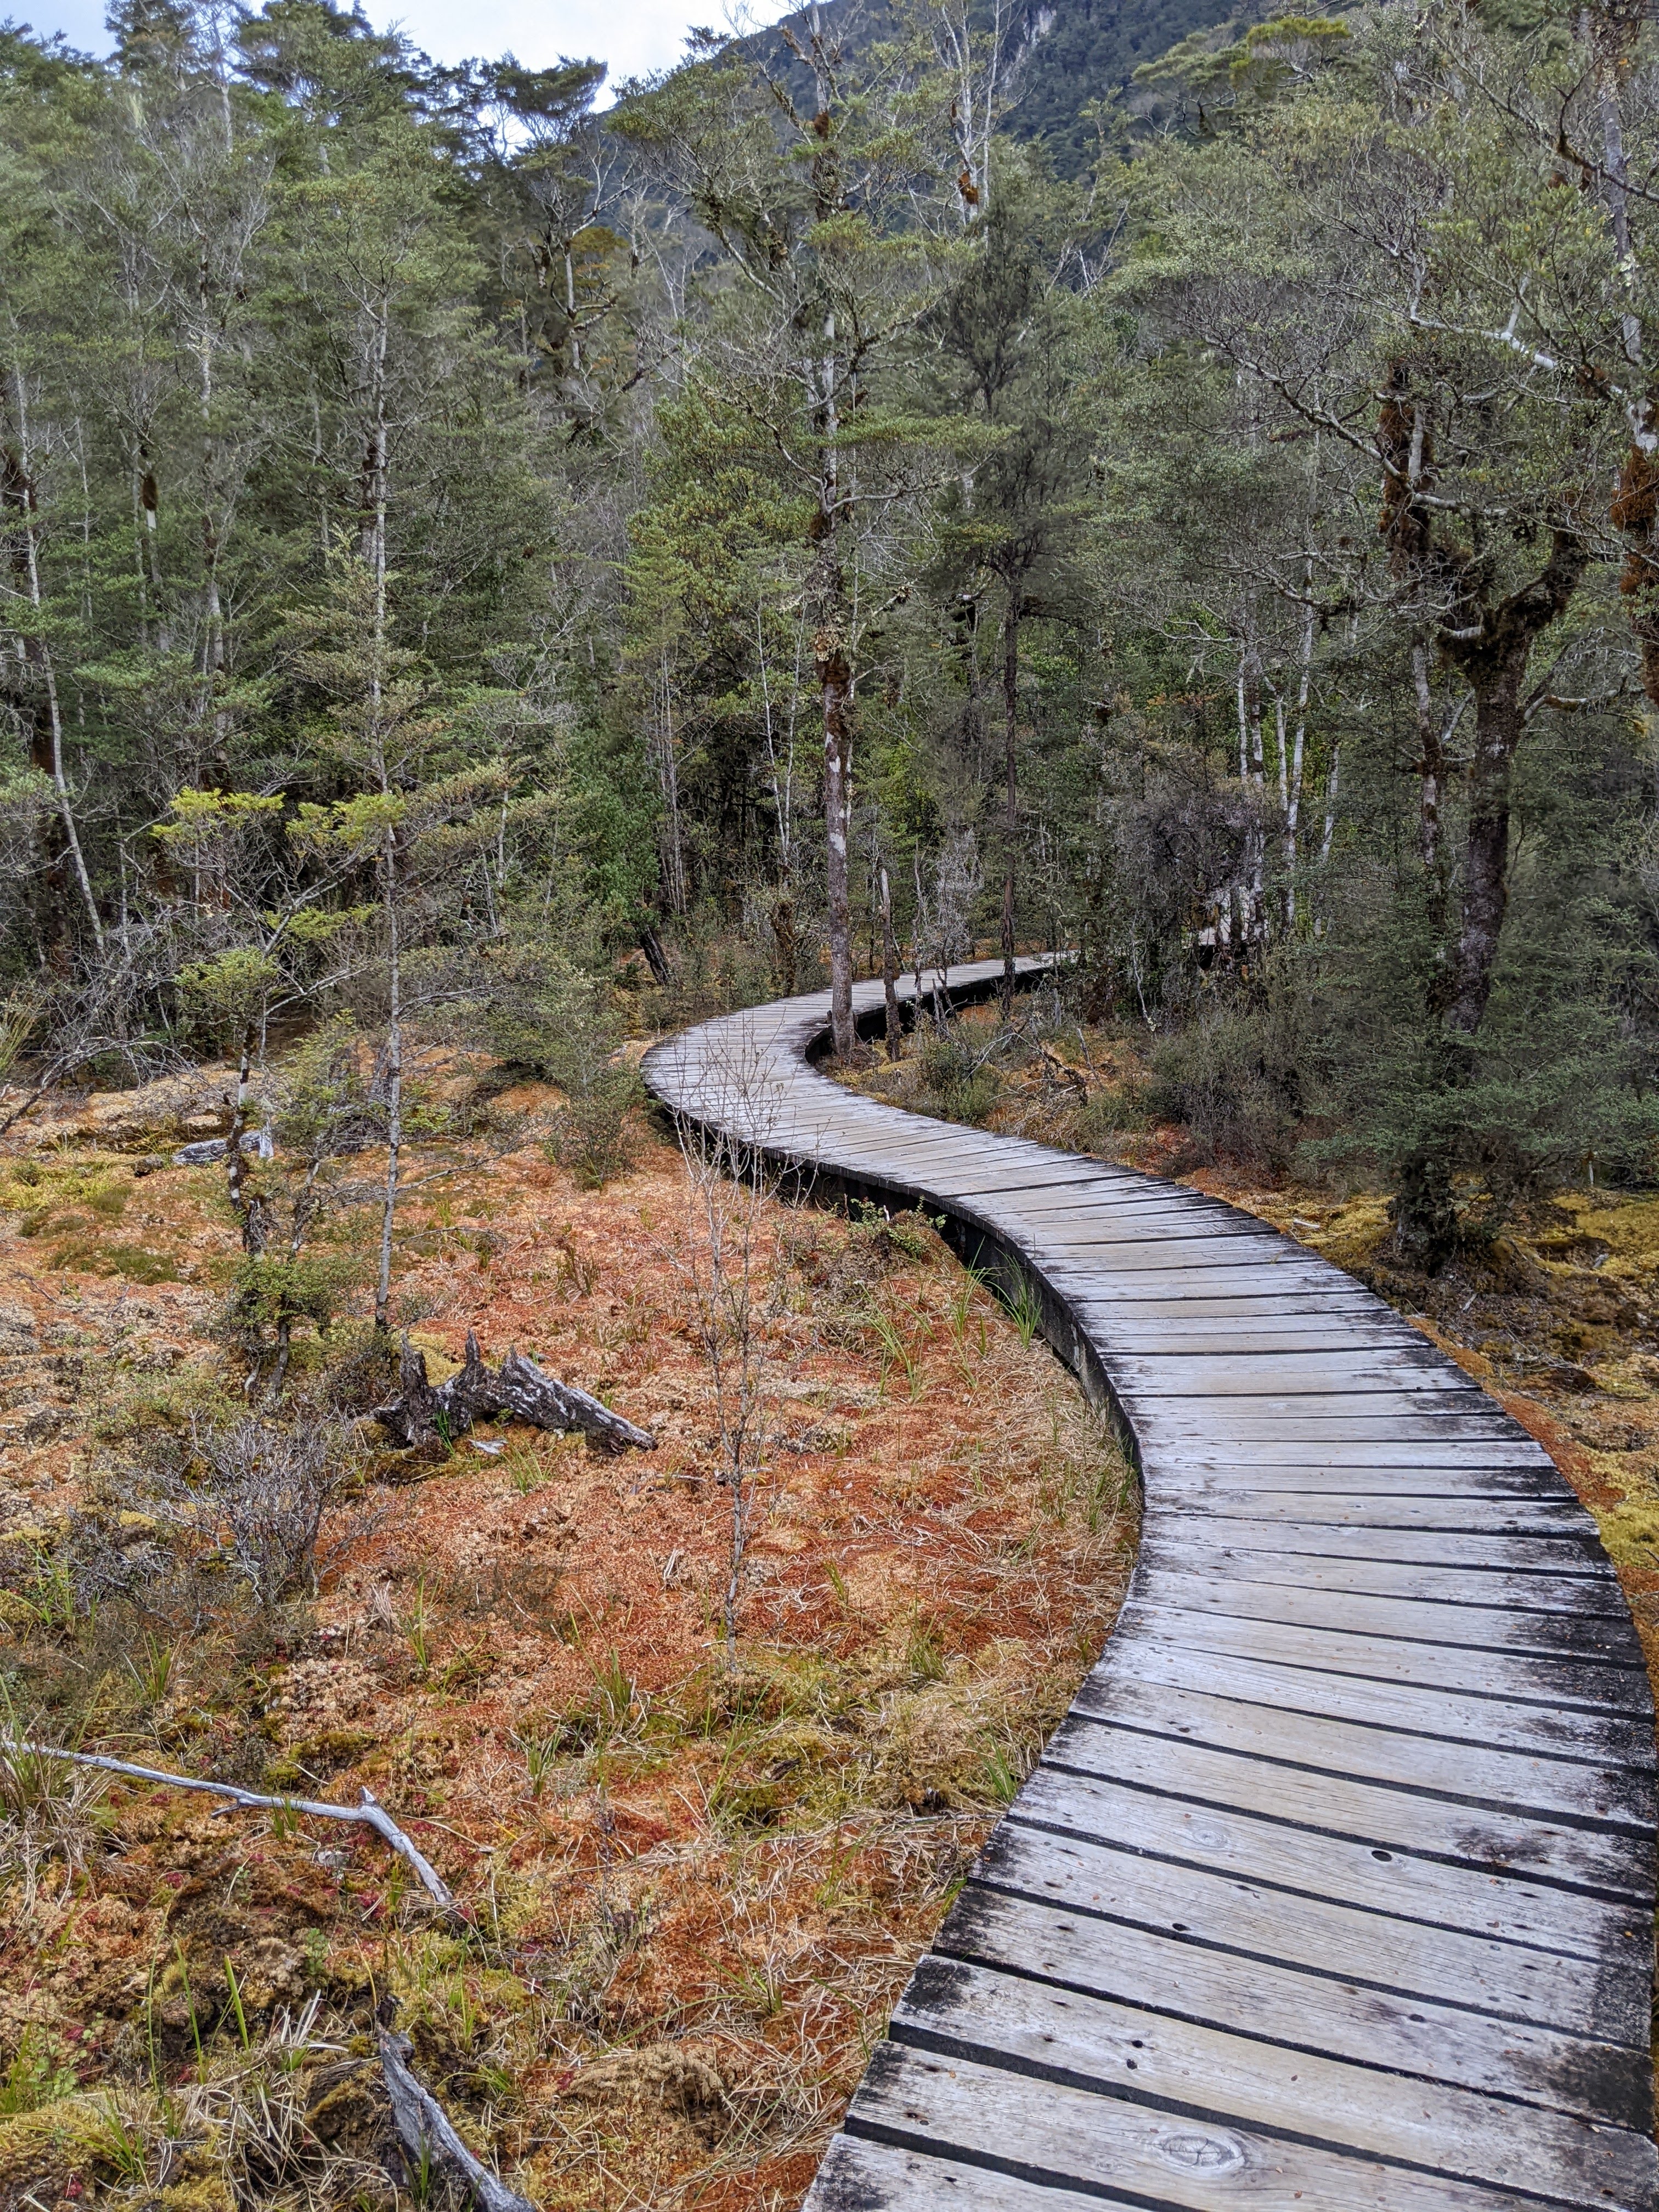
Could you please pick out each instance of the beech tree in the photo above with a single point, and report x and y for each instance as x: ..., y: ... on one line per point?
x: 820, y: 206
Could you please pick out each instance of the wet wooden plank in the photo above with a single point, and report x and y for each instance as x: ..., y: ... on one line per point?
x: 1110, y: 1305
x: 1183, y: 1374
x: 862, y: 2175
x: 1360, y: 1502
x: 1283, y: 1857
x: 1191, y: 1556
x: 1070, y: 2135
x: 1419, y: 2034
x: 1492, y: 1720
x: 1604, y: 1639
x: 1476, y: 1669
x: 1326, y: 1417
x: 1449, y: 1454
x: 1002, y: 2019
x: 1321, y: 1936
x: 1254, y: 1338
x: 1569, y: 1553
x: 1326, y: 1754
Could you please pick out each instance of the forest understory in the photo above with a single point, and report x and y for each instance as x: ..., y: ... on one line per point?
x: 693, y: 1872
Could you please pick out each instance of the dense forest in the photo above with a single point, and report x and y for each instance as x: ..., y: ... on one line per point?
x: 481, y: 566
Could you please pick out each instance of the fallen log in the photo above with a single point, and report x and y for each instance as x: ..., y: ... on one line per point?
x: 423, y: 1411
x: 428, y: 2135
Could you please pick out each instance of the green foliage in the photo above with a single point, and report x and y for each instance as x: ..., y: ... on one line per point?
x: 958, y: 1083
x: 1232, y: 1079
x: 592, y: 1138
x: 223, y: 998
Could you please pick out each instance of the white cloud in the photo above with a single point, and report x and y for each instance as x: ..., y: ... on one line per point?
x: 633, y: 36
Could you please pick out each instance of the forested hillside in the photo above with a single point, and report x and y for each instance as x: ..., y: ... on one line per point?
x: 456, y: 543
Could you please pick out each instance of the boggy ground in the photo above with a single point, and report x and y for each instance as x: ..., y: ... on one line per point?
x: 695, y: 1874
x: 1555, y: 1309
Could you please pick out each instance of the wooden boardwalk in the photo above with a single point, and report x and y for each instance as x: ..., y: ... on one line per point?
x: 1334, y: 1888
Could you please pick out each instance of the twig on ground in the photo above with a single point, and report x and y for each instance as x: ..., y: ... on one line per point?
x: 370, y: 1814
x: 427, y: 2133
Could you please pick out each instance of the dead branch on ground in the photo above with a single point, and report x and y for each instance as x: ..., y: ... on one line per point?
x: 369, y: 1814
x: 421, y: 1412
x: 428, y: 2136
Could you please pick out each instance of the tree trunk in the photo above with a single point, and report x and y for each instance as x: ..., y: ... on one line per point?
x: 1635, y: 511
x: 1011, y: 792
x: 676, y: 882
x: 1431, y: 765
x: 834, y: 681
x: 394, y: 1092
x: 889, y: 966
x: 831, y: 616
x: 1493, y: 659
x: 247, y: 1201
x: 1497, y: 723
x: 17, y: 485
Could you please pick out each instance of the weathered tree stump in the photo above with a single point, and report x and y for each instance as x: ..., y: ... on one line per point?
x: 423, y: 1412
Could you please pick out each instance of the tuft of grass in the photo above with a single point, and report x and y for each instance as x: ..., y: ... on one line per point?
x: 151, y: 1668
x: 1000, y: 1780
x: 894, y: 1351
x: 1025, y: 1304
x: 924, y: 1656
x: 419, y: 1629
x: 542, y: 1757
x: 119, y: 2143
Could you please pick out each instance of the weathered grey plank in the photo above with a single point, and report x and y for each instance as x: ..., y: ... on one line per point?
x: 1556, y: 1685
x: 1069, y: 2134
x: 1574, y: 1553
x: 1606, y: 1639
x: 976, y: 2011
x: 1505, y: 1907
x: 1182, y: 1374
x: 861, y: 2175
x: 1493, y: 1722
x: 1335, y: 1888
x: 1547, y: 1787
x: 1405, y: 1958
x: 1318, y: 1418
x: 1576, y: 1595
x: 1367, y: 1810
x: 1350, y: 1505
x: 1416, y: 2034
x: 1290, y: 1337
x: 1449, y: 1453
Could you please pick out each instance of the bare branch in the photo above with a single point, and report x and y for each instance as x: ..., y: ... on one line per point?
x: 370, y: 1814
x: 428, y: 2135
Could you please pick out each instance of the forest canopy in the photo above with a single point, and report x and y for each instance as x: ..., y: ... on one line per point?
x: 476, y: 563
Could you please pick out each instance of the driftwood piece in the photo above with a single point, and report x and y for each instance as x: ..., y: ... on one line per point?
x: 369, y: 1814
x: 255, y: 1145
x: 428, y: 2136
x: 422, y: 1411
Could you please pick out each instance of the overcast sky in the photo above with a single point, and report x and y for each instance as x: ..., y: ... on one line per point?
x: 631, y: 35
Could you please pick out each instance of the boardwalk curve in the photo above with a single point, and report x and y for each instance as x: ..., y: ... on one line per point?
x: 1334, y: 1888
